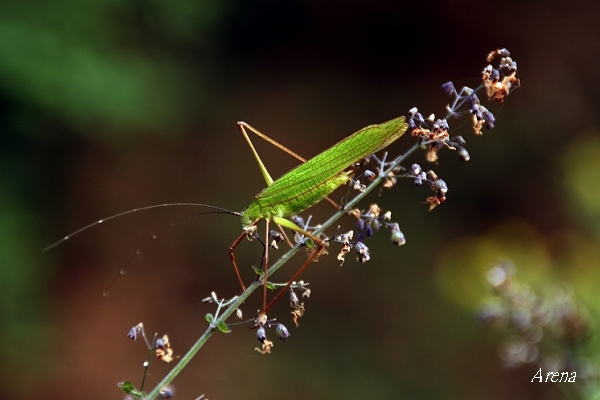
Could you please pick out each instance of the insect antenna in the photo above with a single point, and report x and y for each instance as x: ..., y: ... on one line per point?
x: 139, y: 251
x: 218, y: 210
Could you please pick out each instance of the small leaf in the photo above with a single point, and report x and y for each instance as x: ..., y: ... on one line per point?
x: 309, y: 243
x: 128, y: 388
x: 257, y: 271
x: 223, y: 327
x: 209, y: 318
x: 270, y: 286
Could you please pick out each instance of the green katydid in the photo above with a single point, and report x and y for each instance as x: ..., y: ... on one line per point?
x: 295, y: 191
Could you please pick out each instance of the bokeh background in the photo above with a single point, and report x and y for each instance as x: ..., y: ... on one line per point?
x: 111, y: 105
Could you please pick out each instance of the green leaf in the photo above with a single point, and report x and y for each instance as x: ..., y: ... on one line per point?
x: 128, y: 388
x: 209, y: 318
x: 270, y: 286
x: 223, y: 327
x: 257, y: 271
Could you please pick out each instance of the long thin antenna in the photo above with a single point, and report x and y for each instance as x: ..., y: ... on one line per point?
x: 138, y: 252
x: 101, y: 221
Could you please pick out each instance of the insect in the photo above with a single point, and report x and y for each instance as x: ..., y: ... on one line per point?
x: 295, y: 191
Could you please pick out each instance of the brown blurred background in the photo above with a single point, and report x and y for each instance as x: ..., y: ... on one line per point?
x: 111, y: 105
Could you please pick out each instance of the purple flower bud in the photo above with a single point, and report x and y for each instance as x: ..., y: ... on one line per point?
x: 503, y: 52
x: 375, y: 225
x: 168, y: 392
x: 160, y: 344
x: 413, y: 111
x: 473, y: 102
x: 397, y: 236
x: 360, y: 225
x: 415, y: 169
x: 132, y: 333
x: 440, y: 186
x: 369, y: 230
x: 363, y: 252
x: 293, y: 298
x: 261, y: 334
x: 513, y: 66
x: 490, y: 119
x: 444, y: 125
x: 495, y: 75
x: 282, y: 332
x: 298, y: 221
x: 448, y: 88
x: 419, y: 179
x: 464, y: 154
x: 370, y: 175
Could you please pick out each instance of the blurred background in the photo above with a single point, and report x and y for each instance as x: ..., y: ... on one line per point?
x: 111, y: 105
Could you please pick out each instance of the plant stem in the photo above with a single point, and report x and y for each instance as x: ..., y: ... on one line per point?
x: 272, y: 269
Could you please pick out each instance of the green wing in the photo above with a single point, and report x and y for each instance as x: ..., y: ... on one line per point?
x: 310, y: 182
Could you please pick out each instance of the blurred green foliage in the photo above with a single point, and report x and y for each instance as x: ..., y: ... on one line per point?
x: 105, y: 68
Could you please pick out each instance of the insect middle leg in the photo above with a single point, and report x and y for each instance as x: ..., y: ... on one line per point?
x: 233, y: 259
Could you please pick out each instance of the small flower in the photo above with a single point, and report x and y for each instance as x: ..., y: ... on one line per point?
x: 420, y: 178
x: 135, y: 331
x: 374, y: 225
x: 293, y: 298
x: 374, y: 210
x: 464, y: 154
x: 261, y: 334
x: 357, y: 186
x: 440, y: 186
x: 498, y: 84
x: 390, y: 181
x: 370, y: 175
x: 363, y: 252
x: 167, y: 392
x: 498, y: 52
x: 434, y: 201
x: 282, y: 332
x: 415, y: 120
x: 306, y: 293
x: 276, y: 237
x: 211, y: 299
x: 369, y: 230
x: 297, y: 313
x: 298, y: 220
x: 360, y: 224
x: 448, y: 88
x: 495, y: 75
x: 343, y: 251
x: 163, y: 349
x: 345, y: 239
x: 415, y: 170
x: 132, y: 334
x: 397, y: 236
x: 267, y: 345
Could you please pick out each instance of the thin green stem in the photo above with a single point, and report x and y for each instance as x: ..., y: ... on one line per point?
x: 272, y: 269
x: 146, y: 366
